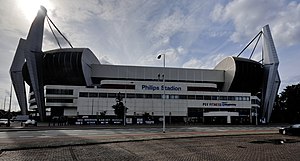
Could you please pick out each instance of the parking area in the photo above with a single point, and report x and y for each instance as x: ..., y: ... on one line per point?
x: 273, y: 147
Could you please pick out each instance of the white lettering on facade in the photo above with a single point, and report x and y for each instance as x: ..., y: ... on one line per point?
x: 219, y: 104
x: 150, y: 87
x: 154, y: 88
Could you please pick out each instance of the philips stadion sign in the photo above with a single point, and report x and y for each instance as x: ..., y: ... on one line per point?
x: 155, y: 88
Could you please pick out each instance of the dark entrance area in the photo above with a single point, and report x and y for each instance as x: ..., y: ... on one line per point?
x: 195, y: 115
x: 215, y: 119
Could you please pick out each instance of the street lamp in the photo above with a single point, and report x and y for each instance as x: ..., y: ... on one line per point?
x: 9, y: 107
x: 164, y: 96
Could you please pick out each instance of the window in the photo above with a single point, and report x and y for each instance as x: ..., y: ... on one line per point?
x: 201, y: 89
x: 93, y: 94
x: 223, y: 98
x: 255, y: 101
x: 173, y: 96
x: 103, y: 95
x: 59, y: 91
x: 53, y: 100
x: 112, y: 95
x: 148, y: 95
x: 158, y: 96
x: 182, y: 96
x: 122, y: 95
x: 130, y: 95
x: 215, y: 97
x: 231, y: 98
x: 191, y: 97
x: 83, y: 94
x: 139, y: 95
x: 199, y: 97
x: 117, y: 86
x: 207, y: 97
x: 238, y: 98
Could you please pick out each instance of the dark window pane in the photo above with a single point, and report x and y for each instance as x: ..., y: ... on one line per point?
x: 199, y: 97
x: 130, y: 95
x: 59, y: 91
x: 158, y: 96
x: 191, y: 97
x: 51, y: 100
x: 223, y: 98
x: 148, y: 95
x: 93, y: 94
x: 103, y: 95
x: 182, y: 96
x: 83, y: 94
x: 231, y: 98
x: 201, y: 89
x: 207, y: 97
x: 139, y: 95
x: 112, y: 95
x: 215, y: 97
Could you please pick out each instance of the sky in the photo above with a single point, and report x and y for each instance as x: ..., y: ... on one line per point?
x: 192, y: 33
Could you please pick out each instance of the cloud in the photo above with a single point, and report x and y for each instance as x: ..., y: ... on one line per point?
x: 173, y: 55
x: 288, y: 81
x: 249, y: 17
x: 193, y: 63
x: 208, y: 62
x: 194, y: 34
x: 105, y: 60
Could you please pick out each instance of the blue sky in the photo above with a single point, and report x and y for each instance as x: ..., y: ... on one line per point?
x: 193, y: 33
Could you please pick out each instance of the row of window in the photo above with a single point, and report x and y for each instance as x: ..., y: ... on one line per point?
x: 160, y: 96
x: 59, y: 91
x: 51, y: 100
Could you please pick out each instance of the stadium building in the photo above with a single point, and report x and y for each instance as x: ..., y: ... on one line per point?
x: 72, y: 82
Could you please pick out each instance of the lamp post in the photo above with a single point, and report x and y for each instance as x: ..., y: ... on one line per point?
x: 9, y: 107
x: 124, y: 121
x: 164, y: 96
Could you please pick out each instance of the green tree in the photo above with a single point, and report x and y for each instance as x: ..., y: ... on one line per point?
x: 279, y: 112
x: 119, y: 107
x: 290, y: 103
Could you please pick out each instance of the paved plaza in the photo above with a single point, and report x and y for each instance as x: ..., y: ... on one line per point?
x: 272, y: 147
x: 147, y: 143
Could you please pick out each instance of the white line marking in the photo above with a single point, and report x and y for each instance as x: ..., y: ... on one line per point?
x: 43, y: 136
x: 72, y: 134
x: 26, y: 136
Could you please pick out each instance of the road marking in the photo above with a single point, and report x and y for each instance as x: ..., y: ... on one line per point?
x: 92, y: 133
x: 72, y: 134
x: 26, y: 136
x: 43, y: 136
x: 42, y: 131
